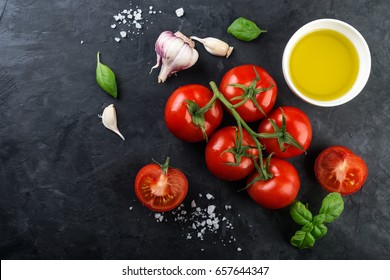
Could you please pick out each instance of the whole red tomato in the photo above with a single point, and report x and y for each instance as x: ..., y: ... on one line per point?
x: 160, y: 187
x: 297, y: 125
x: 224, y: 152
x: 338, y: 169
x: 253, y: 87
x: 181, y: 115
x: 279, y: 191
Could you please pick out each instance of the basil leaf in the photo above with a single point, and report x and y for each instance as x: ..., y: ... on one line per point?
x: 300, y: 214
x: 308, y: 227
x: 319, y: 231
x: 319, y: 219
x: 332, y: 206
x: 302, y: 240
x: 105, y: 77
x: 244, y: 29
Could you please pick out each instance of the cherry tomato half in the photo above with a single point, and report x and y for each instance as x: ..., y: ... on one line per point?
x: 297, y: 125
x: 338, y: 169
x: 159, y: 187
x: 179, y: 120
x: 279, y: 191
x: 264, y: 90
x: 220, y: 150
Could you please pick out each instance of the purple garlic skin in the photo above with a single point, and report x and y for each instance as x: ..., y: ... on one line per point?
x: 175, y: 52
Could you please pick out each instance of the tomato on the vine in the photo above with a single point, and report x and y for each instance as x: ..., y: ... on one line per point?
x: 294, y: 128
x: 160, y: 187
x: 279, y: 191
x: 228, y: 156
x: 338, y: 169
x: 253, y: 88
x: 184, y: 118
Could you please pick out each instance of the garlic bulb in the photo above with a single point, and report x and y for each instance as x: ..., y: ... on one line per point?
x: 215, y: 46
x: 174, y: 52
x: 109, y: 119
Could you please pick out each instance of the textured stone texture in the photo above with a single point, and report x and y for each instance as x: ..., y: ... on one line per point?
x: 66, y: 182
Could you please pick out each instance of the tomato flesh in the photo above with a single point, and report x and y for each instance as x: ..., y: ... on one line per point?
x: 338, y: 169
x: 160, y: 191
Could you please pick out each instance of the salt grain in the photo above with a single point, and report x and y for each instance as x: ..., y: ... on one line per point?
x: 117, y: 39
x: 179, y: 12
x: 123, y: 34
x: 210, y: 209
x: 193, y: 204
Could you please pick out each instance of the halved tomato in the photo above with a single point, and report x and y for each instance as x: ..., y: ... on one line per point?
x: 338, y: 169
x: 160, y: 187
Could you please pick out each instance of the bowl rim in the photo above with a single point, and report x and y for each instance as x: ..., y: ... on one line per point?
x: 364, y: 56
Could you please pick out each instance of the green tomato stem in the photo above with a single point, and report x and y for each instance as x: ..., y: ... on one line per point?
x: 208, y: 106
x: 263, y: 172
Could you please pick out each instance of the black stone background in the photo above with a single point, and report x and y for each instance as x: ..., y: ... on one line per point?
x: 66, y: 183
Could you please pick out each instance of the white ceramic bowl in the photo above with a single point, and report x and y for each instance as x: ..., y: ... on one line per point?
x: 361, y: 47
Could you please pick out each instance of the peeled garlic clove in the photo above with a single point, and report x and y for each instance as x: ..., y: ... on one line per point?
x: 215, y: 46
x: 110, y: 121
x: 174, y: 52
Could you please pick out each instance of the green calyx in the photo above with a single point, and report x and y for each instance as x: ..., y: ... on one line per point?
x: 263, y: 172
x: 239, y: 150
x: 284, y: 138
x: 250, y: 92
x: 197, y: 116
x: 197, y: 113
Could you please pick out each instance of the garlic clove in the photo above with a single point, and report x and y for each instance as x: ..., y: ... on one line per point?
x: 184, y: 58
x: 174, y: 52
x: 215, y: 46
x: 109, y: 120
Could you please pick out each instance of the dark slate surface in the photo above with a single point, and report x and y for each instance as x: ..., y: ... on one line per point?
x: 66, y: 182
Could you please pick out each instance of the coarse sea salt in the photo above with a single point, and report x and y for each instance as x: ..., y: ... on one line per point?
x: 131, y: 21
x: 201, y: 219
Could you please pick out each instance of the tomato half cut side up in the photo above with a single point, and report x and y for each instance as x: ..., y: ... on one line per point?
x: 338, y: 169
x: 160, y: 188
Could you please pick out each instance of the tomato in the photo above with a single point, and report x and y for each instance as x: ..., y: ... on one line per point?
x: 179, y: 119
x: 338, y: 169
x: 160, y: 187
x: 297, y: 126
x: 259, y: 89
x: 223, y: 152
x: 279, y: 191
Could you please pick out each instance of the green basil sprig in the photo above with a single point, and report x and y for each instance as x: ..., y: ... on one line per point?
x: 244, y: 29
x: 314, y: 228
x: 105, y: 77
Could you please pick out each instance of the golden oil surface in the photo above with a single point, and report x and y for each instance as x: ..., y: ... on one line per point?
x: 324, y: 65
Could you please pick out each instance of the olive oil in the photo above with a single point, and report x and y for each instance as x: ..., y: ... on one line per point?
x: 324, y: 65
